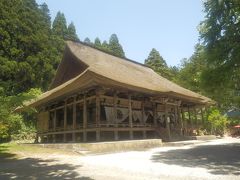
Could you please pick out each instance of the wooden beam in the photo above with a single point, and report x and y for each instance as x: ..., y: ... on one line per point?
x: 130, y: 114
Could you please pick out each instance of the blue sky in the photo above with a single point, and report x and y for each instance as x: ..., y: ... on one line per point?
x: 170, y: 26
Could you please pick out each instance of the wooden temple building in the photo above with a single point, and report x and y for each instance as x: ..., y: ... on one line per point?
x: 96, y: 96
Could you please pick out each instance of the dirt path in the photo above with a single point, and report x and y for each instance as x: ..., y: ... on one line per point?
x: 219, y: 159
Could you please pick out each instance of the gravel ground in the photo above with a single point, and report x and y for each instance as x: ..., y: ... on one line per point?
x: 217, y: 159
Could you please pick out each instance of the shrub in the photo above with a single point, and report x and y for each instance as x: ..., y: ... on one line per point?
x: 218, y: 122
x: 11, y: 122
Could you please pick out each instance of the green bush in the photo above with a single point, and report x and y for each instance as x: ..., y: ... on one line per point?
x: 217, y: 123
x: 11, y: 122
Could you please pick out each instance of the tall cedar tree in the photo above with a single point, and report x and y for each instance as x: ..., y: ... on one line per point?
x: 71, y: 33
x: 59, y: 25
x: 26, y: 58
x: 189, y: 76
x: 97, y: 43
x: 157, y: 63
x: 87, y: 41
x: 115, y: 47
x: 105, y: 47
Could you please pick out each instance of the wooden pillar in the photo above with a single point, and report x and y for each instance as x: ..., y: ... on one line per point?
x: 130, y: 115
x: 185, y: 125
x: 176, y: 124
x: 65, y: 121
x: 154, y: 114
x: 167, y: 123
x: 189, y: 117
x: 54, y: 120
x: 144, y: 134
x: 36, y: 138
x: 180, y: 120
x: 98, y: 111
x: 195, y: 114
x: 84, y: 118
x: 74, y: 120
x: 115, y: 116
x: 54, y: 125
x: 143, y: 114
x: 202, y: 115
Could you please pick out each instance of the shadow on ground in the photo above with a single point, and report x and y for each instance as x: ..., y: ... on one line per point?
x: 218, y: 159
x: 11, y: 167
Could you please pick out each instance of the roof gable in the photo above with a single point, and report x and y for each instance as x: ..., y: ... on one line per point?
x: 68, y: 68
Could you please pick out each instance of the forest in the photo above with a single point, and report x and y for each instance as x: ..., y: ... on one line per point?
x: 31, y: 48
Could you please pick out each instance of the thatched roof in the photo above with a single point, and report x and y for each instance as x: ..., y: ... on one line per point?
x: 83, y: 66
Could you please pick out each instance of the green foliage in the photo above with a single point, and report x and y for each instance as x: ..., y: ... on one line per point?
x: 30, y: 49
x: 158, y: 64
x: 190, y: 72
x: 27, y: 57
x: 71, y: 33
x: 217, y: 122
x: 97, y: 43
x: 220, y: 34
x: 59, y: 25
x: 105, y: 47
x: 10, y: 121
x: 87, y: 41
x: 115, y: 47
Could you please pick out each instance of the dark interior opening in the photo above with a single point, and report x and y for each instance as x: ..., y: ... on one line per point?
x: 79, y: 115
x: 60, y: 118
x: 69, y: 115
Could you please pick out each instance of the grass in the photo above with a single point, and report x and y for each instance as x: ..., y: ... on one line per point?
x: 82, y: 148
x: 15, y: 150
